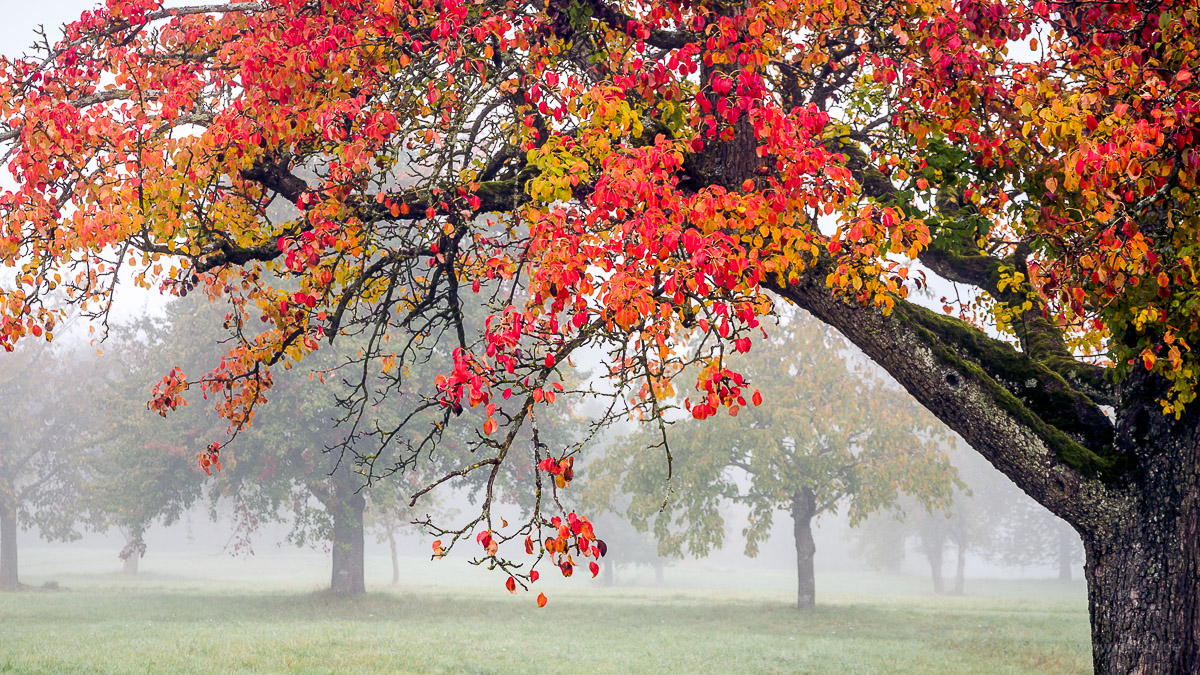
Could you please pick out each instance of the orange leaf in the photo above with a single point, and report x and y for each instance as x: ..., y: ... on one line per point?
x: 541, y: 600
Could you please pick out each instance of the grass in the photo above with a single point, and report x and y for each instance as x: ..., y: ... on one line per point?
x: 202, y: 618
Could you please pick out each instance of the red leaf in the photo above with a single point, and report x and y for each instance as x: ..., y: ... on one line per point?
x: 594, y: 568
x: 541, y: 600
x: 511, y: 585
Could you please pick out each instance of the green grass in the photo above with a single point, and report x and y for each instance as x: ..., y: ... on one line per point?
x: 202, y: 618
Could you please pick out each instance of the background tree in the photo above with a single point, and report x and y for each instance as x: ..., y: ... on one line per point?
x: 1031, y: 535
x: 835, y: 434
x: 987, y: 516
x: 45, y: 433
x: 624, y: 172
x: 143, y: 471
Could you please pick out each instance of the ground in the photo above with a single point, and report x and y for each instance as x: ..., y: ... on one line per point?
x: 217, y: 615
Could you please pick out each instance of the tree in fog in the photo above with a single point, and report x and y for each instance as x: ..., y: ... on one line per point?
x: 837, y: 435
x: 628, y: 546
x: 987, y: 516
x: 1031, y: 535
x: 46, y: 429
x: 143, y: 470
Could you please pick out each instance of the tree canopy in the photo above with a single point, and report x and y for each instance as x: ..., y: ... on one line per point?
x: 649, y: 178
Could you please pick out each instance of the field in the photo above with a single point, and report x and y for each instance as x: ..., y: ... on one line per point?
x: 217, y: 615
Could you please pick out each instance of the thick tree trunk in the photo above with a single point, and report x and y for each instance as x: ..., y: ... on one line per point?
x: 804, y: 507
x: 348, y: 544
x: 8, y: 547
x: 1144, y: 585
x: 130, y: 565
x: 1064, y: 556
x: 658, y: 572
x: 395, y: 558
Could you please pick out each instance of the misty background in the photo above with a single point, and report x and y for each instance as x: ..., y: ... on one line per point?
x: 209, y: 539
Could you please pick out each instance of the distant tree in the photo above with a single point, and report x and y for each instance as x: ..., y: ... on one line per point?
x: 284, y: 471
x: 44, y: 434
x: 389, y: 513
x: 837, y: 434
x: 144, y: 470
x: 987, y: 515
x: 628, y: 546
x: 1031, y: 535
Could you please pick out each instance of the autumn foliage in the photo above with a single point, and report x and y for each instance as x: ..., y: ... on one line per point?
x: 631, y: 177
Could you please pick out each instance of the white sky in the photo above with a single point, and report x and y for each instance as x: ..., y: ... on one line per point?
x: 22, y: 18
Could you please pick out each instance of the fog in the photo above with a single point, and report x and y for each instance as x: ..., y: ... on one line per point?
x: 111, y: 506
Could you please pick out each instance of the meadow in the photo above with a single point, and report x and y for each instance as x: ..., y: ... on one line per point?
x: 189, y: 614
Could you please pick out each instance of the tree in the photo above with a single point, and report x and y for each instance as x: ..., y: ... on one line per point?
x: 987, y: 515
x: 1031, y: 535
x: 283, y: 470
x: 141, y: 472
x: 632, y: 176
x: 44, y: 437
x: 835, y: 435
x: 389, y: 514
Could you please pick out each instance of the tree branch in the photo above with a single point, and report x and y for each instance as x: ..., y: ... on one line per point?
x: 964, y: 378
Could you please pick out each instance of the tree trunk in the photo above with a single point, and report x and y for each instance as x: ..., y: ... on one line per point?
x: 348, y: 545
x: 960, y: 569
x: 933, y: 544
x: 1064, y: 556
x: 1144, y: 584
x: 395, y: 558
x: 658, y: 572
x: 8, y: 547
x: 607, y: 577
x: 134, y: 549
x: 804, y: 507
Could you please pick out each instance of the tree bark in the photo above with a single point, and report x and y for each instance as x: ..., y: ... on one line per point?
x: 1143, y: 577
x: 348, y: 543
x: 395, y: 558
x: 658, y: 572
x: 8, y: 547
x: 804, y: 507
